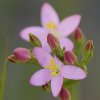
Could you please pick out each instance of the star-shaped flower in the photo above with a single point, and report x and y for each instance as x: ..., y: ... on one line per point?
x: 54, y: 70
x: 51, y: 24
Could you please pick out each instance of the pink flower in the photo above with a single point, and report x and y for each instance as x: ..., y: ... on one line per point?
x: 54, y: 70
x: 51, y: 24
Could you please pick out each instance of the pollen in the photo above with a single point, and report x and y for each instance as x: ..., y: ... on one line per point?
x: 51, y: 25
x: 53, y: 67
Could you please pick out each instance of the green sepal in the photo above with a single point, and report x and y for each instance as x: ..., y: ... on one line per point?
x: 58, y: 52
x: 87, y: 56
x: 79, y: 44
x: 34, y: 40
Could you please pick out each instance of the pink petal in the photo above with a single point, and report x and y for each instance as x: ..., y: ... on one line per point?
x: 48, y: 13
x: 56, y: 85
x: 40, y: 78
x: 42, y: 56
x: 58, y: 62
x: 73, y: 72
x: 39, y: 32
x: 69, y: 24
x: 46, y: 47
x: 66, y: 43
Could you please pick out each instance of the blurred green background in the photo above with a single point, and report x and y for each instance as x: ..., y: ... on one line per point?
x: 17, y: 14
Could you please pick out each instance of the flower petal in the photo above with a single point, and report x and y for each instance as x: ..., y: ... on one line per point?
x: 58, y: 62
x: 39, y: 32
x: 56, y: 85
x: 73, y: 72
x: 42, y: 56
x: 48, y: 13
x: 69, y: 24
x: 66, y: 43
x: 40, y: 78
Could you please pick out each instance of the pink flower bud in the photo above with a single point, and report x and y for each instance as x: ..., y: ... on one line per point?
x: 78, y: 35
x: 89, y: 45
x: 52, y: 41
x: 65, y: 94
x: 70, y: 57
x: 22, y: 54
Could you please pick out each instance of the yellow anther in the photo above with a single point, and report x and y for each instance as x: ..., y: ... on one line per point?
x: 53, y: 67
x: 53, y: 74
x: 51, y: 25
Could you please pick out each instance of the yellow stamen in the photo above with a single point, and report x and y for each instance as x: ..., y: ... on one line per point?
x: 53, y: 74
x: 51, y: 25
x: 53, y: 67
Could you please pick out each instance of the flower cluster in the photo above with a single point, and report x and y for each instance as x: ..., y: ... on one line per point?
x: 55, y: 52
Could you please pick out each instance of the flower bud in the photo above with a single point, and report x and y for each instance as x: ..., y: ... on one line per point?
x: 52, y: 41
x: 87, y: 52
x: 54, y: 45
x: 79, y: 39
x: 34, y: 40
x: 22, y: 54
x: 77, y: 35
x: 89, y: 45
x: 70, y: 57
x: 12, y: 58
x: 65, y: 94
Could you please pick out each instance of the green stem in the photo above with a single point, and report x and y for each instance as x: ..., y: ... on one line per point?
x: 74, y: 91
x: 3, y: 71
x: 73, y: 87
x: 2, y: 80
